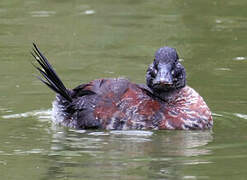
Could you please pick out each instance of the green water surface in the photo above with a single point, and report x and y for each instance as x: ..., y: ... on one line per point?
x: 89, y: 39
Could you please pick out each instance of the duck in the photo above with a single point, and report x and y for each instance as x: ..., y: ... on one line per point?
x: 165, y: 102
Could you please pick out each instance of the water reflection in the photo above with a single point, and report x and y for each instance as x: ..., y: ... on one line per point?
x: 133, y: 153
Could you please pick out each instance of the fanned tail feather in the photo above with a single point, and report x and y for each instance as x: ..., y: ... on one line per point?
x: 51, y: 79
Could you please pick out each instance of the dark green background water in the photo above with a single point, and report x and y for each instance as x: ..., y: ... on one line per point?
x: 89, y: 39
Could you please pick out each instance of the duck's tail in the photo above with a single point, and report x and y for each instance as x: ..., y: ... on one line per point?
x: 51, y: 79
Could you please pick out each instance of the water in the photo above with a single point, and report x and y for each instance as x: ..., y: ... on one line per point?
x: 85, y: 40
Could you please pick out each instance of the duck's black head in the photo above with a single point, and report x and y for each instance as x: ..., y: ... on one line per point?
x: 166, y: 73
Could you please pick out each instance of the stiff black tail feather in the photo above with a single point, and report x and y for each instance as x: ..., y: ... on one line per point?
x: 51, y: 78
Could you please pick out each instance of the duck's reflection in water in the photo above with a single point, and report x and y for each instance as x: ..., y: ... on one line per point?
x: 129, y: 154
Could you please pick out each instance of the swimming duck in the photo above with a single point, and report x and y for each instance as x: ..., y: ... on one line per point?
x: 165, y: 102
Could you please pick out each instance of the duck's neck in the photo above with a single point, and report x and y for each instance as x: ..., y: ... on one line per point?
x: 167, y: 96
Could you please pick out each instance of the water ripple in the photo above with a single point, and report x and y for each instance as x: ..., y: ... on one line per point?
x: 243, y: 116
x: 41, y: 115
x: 42, y: 13
x: 223, y: 69
x: 240, y: 58
x: 87, y: 12
x: 133, y: 133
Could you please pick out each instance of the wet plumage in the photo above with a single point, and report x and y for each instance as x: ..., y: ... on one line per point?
x: 164, y: 103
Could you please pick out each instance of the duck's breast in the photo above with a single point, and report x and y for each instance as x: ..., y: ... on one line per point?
x: 188, y: 110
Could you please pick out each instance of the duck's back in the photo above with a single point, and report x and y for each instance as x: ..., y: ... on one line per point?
x: 116, y: 104
x: 125, y: 105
